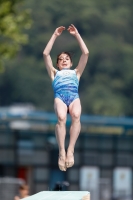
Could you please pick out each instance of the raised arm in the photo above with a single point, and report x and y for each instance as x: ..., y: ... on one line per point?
x: 85, y: 52
x: 46, y: 53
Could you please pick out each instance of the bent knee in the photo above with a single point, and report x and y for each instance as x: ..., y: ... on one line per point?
x: 75, y: 115
x: 62, y: 118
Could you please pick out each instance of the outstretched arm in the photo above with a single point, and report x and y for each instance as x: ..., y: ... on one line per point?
x: 46, y: 53
x: 85, y: 53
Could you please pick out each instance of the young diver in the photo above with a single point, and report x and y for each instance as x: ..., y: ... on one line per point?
x: 65, y: 84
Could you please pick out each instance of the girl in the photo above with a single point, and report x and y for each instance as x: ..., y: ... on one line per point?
x: 65, y: 85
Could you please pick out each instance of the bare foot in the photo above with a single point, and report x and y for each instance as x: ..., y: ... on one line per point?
x: 61, y: 161
x: 69, y: 159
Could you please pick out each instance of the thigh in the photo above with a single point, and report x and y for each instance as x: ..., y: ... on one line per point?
x: 75, y: 108
x: 60, y: 108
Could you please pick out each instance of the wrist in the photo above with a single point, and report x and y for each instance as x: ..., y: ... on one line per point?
x: 55, y: 35
x: 77, y: 34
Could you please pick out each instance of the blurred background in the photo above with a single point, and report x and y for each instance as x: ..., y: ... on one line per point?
x: 28, y: 148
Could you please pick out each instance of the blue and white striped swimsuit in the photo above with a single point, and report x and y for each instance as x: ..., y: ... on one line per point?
x: 65, y: 86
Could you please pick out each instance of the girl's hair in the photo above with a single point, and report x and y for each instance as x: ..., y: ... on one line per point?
x: 24, y: 187
x: 65, y: 52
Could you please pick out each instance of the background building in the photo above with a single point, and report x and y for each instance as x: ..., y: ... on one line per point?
x: 103, y: 153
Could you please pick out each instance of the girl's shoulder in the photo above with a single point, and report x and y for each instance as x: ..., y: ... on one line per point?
x: 55, y: 71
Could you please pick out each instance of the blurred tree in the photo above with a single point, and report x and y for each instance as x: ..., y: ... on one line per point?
x: 13, y: 20
x: 107, y: 28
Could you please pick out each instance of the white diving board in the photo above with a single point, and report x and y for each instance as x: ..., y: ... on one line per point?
x: 58, y: 195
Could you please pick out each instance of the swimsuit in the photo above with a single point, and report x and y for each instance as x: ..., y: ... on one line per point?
x: 65, y: 86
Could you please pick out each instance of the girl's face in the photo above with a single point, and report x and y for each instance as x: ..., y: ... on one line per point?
x: 24, y: 192
x: 64, y: 61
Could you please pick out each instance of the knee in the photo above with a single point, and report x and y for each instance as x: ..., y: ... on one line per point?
x: 62, y: 118
x: 75, y: 116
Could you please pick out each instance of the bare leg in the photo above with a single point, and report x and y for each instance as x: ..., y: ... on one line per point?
x: 75, y: 112
x: 60, y: 131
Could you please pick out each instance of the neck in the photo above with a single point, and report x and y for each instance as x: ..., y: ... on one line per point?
x: 65, y: 68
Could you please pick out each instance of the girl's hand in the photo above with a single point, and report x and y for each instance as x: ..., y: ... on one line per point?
x: 72, y: 30
x: 59, y: 30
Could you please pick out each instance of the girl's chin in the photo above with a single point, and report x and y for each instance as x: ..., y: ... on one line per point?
x: 64, y: 67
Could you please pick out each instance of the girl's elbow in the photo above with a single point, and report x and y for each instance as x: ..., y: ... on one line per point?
x: 87, y: 53
x: 45, y: 53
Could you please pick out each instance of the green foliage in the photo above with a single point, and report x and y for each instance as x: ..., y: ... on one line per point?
x: 13, y: 21
x: 106, y: 27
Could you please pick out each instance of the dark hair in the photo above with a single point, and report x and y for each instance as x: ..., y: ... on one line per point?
x: 24, y: 187
x: 70, y: 54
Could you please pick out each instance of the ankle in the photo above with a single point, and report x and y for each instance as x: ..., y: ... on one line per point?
x: 70, y: 151
x: 62, y: 152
